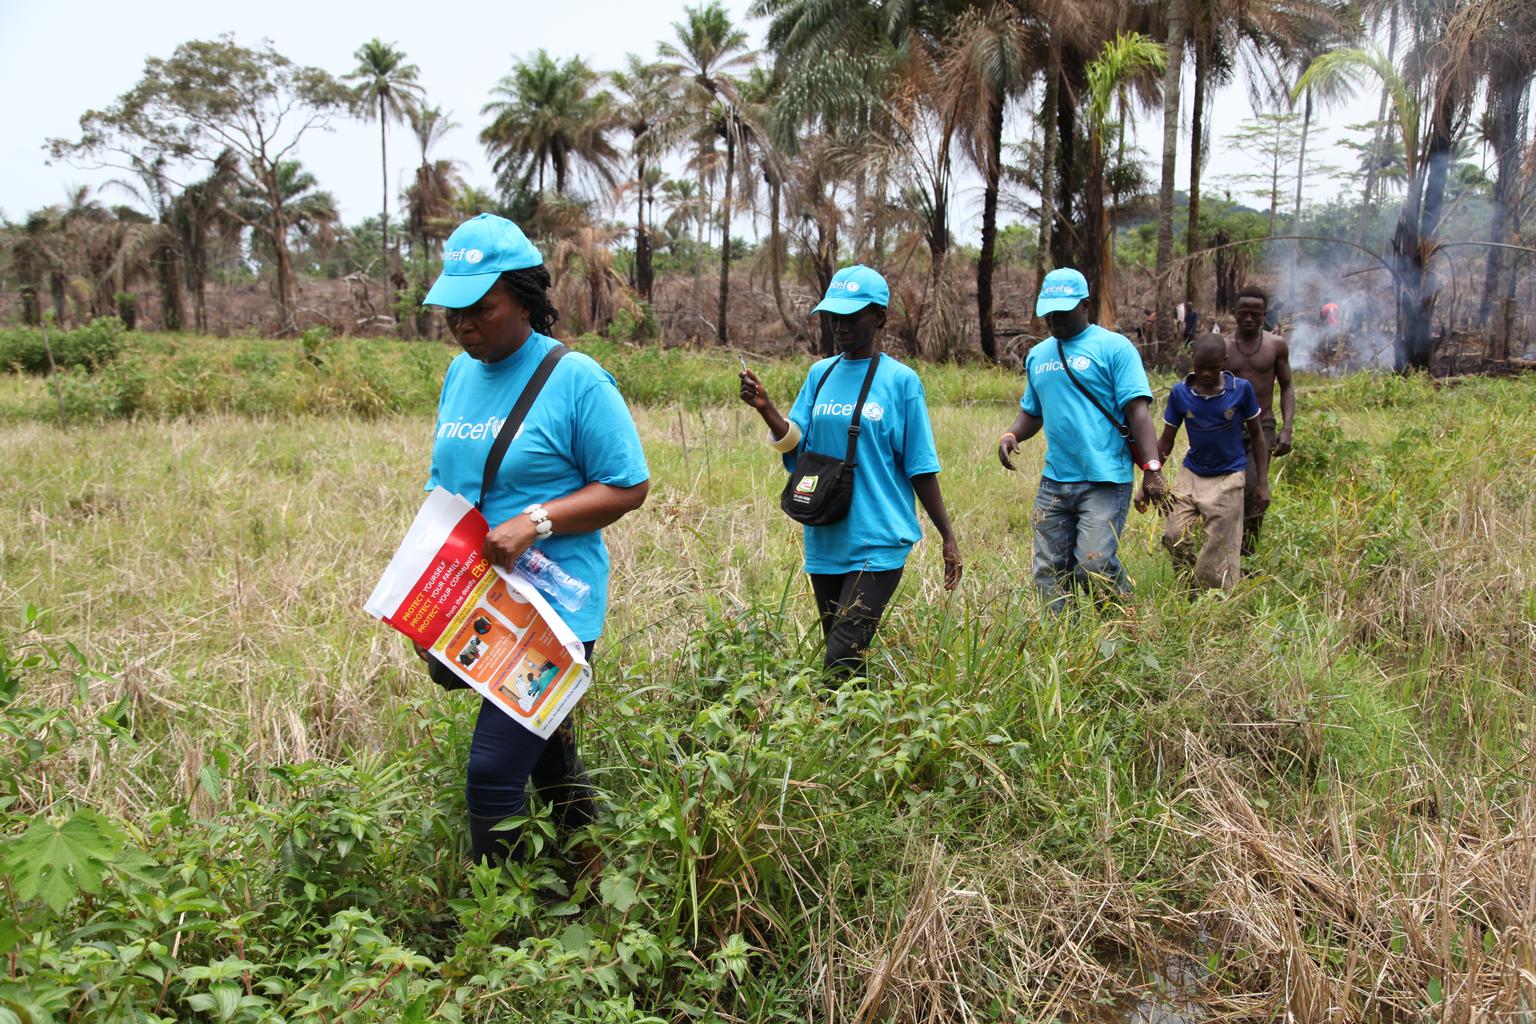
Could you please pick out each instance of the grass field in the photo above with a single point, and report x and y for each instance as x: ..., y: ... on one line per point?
x: 234, y: 797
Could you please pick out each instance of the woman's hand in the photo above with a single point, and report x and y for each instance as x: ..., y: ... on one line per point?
x: 421, y: 652
x: 506, y: 543
x: 953, y: 567
x: 753, y: 392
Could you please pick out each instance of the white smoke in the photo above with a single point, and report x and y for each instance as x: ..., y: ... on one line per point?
x: 1363, y: 336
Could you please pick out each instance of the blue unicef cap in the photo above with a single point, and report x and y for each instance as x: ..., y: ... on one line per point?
x: 852, y: 289
x: 475, y: 255
x: 1061, y: 290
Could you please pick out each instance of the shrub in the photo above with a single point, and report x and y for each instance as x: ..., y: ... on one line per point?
x: 93, y: 345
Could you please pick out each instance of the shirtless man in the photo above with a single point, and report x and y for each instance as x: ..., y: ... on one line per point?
x: 1262, y: 359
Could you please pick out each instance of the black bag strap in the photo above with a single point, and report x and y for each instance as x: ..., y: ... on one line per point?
x: 514, y: 420
x: 820, y: 381
x: 858, y: 407
x: 1120, y: 428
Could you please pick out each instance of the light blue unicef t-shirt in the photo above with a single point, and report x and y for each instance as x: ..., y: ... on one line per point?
x: 578, y: 431
x: 1081, y: 445
x: 895, y: 444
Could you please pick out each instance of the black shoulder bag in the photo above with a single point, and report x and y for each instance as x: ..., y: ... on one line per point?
x: 1120, y: 428
x: 820, y: 490
x: 439, y: 672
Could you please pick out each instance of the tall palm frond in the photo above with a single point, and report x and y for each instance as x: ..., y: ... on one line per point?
x: 387, y: 89
x: 551, y: 115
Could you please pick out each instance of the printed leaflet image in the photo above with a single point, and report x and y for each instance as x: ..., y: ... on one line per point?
x: 493, y: 629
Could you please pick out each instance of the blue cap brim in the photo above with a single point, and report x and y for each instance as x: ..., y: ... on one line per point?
x: 842, y: 307
x: 455, y: 291
x: 1056, y: 305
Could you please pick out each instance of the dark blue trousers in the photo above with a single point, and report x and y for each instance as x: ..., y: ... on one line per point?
x: 503, y: 757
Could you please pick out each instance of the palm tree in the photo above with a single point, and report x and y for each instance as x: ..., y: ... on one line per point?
x: 1372, y: 159
x: 1429, y: 132
x: 1505, y: 34
x: 651, y: 114
x: 707, y: 60
x: 429, y: 201
x: 1178, y: 20
x: 991, y: 60
x: 37, y: 259
x: 758, y: 95
x: 309, y: 212
x: 1271, y: 33
x: 817, y: 210
x: 1073, y: 35
x: 200, y: 213
x: 550, y: 115
x: 151, y: 186
x: 1125, y: 58
x: 387, y: 89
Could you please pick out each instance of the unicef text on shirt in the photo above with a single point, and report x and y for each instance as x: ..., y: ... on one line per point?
x: 471, y: 430
x: 872, y: 410
x: 1079, y: 363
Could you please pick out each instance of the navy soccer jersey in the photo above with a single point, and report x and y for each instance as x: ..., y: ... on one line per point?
x: 1215, y: 423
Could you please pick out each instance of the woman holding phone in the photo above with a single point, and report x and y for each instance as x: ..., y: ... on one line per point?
x: 856, y: 561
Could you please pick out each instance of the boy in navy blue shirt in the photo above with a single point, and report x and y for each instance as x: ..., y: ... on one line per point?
x: 1217, y: 408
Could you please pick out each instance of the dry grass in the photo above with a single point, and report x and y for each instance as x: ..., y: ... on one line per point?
x: 1357, y: 913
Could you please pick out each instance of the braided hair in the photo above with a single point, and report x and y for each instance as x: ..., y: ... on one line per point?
x: 530, y: 289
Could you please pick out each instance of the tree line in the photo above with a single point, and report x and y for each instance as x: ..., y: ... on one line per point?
x: 847, y: 135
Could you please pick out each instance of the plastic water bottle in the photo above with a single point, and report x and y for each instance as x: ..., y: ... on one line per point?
x: 545, y: 573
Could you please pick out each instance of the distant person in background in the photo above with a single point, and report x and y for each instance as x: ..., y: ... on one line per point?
x: 1272, y: 316
x: 1146, y: 331
x: 1191, y: 324
x: 1262, y: 359
x: 1219, y: 412
x: 1082, y: 385
x: 856, y: 562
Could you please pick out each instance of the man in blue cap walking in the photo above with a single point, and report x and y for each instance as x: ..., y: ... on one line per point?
x: 1086, y: 386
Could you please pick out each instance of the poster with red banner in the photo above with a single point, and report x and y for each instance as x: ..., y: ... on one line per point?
x: 491, y: 628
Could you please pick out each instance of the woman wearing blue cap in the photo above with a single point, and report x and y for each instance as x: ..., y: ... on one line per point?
x: 855, y: 558
x: 573, y: 467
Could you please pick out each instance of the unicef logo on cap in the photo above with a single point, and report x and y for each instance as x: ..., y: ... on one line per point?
x: 852, y: 286
x: 1080, y: 363
x: 474, y: 256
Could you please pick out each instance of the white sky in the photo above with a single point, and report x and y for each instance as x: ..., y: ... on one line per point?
x: 59, y: 59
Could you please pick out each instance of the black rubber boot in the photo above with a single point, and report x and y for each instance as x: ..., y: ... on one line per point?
x: 490, y: 846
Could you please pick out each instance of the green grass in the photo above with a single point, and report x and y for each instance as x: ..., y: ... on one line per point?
x: 1316, y: 788
x: 165, y: 376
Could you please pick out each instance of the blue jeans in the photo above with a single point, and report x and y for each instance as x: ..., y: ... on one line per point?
x: 1077, y: 537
